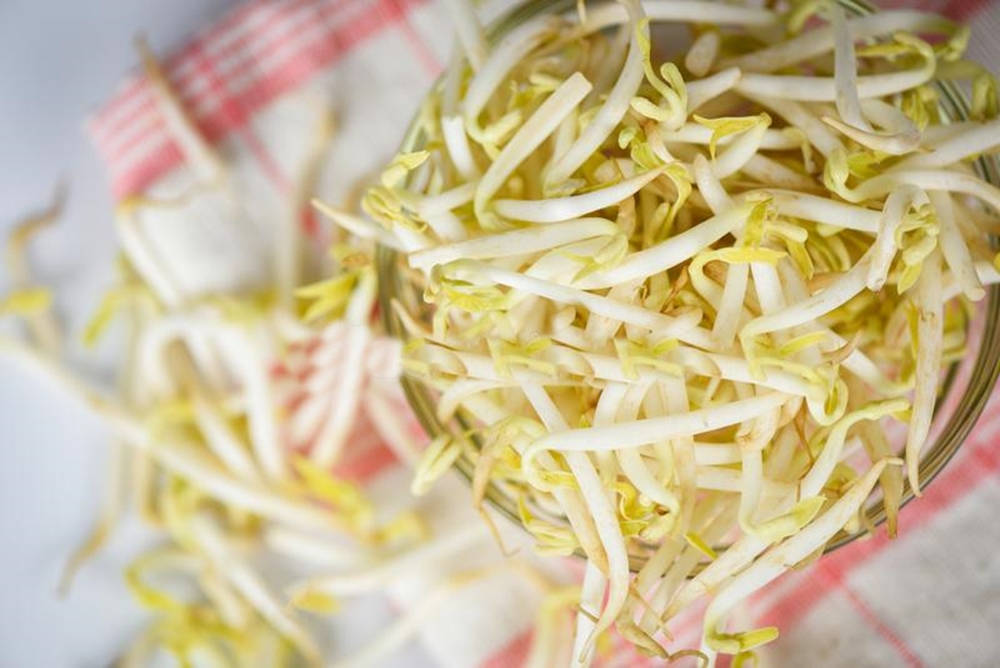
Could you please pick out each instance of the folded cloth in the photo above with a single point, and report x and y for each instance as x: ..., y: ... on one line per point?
x: 257, y: 80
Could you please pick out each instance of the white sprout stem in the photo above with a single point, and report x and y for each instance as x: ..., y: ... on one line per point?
x: 610, y: 308
x: 955, y: 250
x: 542, y: 123
x: 890, y: 118
x: 557, y: 209
x: 730, y: 311
x: 692, y: 133
x: 798, y: 116
x: 611, y: 112
x: 208, y: 536
x: 570, y: 501
x: 927, y: 179
x: 652, y: 430
x: 793, y: 204
x: 565, y: 133
x: 703, y: 52
x: 603, y: 513
x: 188, y: 462
x: 685, y: 563
x: 382, y: 573
x: 833, y: 447
x: 899, y: 201
x: 671, y: 252
x: 724, y: 479
x: 405, y: 626
x: 846, y: 72
x: 792, y: 551
x: 456, y: 141
x: 112, y: 502
x: 469, y: 31
x: 197, y: 152
x: 242, y: 354
x: 700, y: 91
x: 184, y: 460
x: 710, y: 186
x: 935, y: 135
x: 738, y: 370
x: 446, y: 226
x: 600, y: 329
x: 759, y: 433
x: 232, y: 609
x: 742, y: 149
x: 358, y: 226
x: 630, y: 459
x: 762, y: 168
x: 981, y: 138
x: 716, y: 454
x: 221, y: 440
x: 591, y: 598
x: 409, y: 238
x: 461, y: 390
x: 824, y: 89
x: 511, y: 50
x: 516, y: 242
x: 312, y: 549
x: 145, y: 258
x: 652, y: 571
x: 681, y: 11
x: 890, y: 143
x: 836, y: 294
x: 821, y: 40
x: 606, y: 70
x: 429, y: 205
x: 930, y: 328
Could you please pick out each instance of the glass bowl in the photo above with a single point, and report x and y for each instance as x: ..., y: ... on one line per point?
x: 965, y: 390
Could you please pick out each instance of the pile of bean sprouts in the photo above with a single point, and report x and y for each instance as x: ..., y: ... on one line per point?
x: 239, y: 395
x: 678, y: 304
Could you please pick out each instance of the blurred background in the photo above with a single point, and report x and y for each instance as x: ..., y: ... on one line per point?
x: 59, y: 61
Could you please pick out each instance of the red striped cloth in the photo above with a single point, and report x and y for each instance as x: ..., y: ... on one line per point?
x: 930, y: 598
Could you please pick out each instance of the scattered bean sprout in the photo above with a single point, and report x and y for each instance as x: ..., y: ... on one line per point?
x: 684, y: 300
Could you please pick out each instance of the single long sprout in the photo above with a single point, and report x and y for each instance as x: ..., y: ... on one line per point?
x: 470, y: 32
x: 603, y: 515
x: 529, y: 136
x: 613, y: 109
x: 930, y: 324
x: 209, y: 538
x: 573, y: 206
x: 821, y: 40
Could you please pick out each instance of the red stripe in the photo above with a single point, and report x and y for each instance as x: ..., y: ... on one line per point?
x: 963, y: 9
x: 513, y: 654
x: 257, y: 47
x: 883, y: 629
x: 183, y: 60
x: 311, y: 56
x: 240, y: 118
x: 959, y: 10
x: 979, y: 461
x: 367, y: 465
